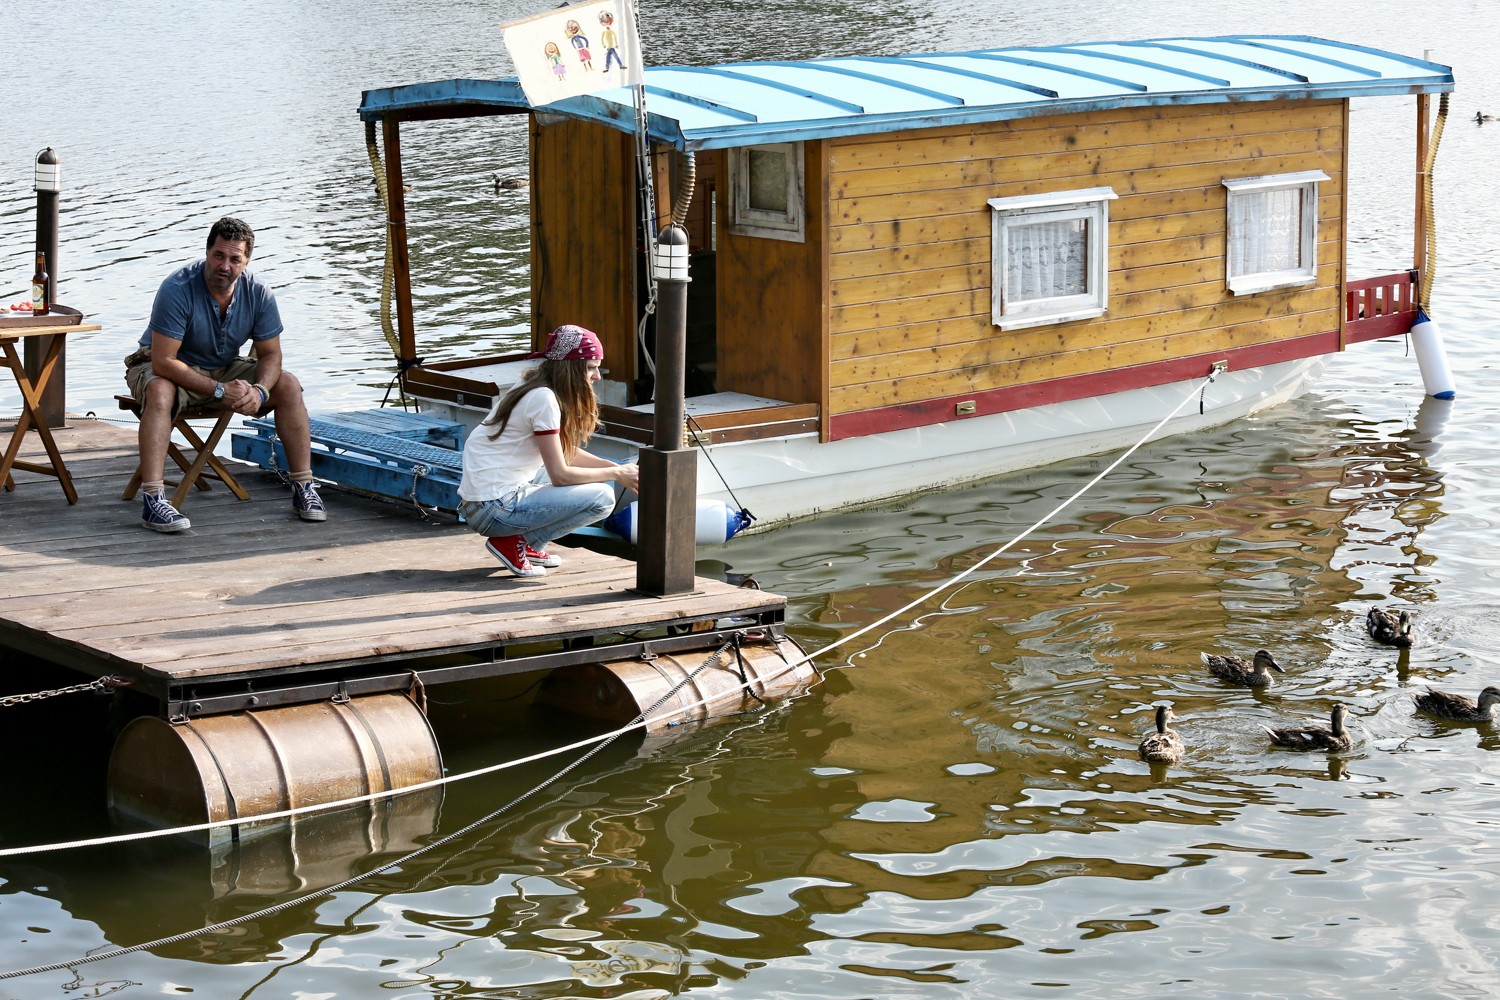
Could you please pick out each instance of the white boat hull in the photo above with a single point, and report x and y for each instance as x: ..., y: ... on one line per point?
x: 783, y: 479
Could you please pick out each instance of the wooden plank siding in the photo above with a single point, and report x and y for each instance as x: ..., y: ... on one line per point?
x: 910, y: 231
x: 772, y: 314
x: 583, y: 236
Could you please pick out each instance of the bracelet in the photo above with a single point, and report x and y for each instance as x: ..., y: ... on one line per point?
x: 265, y: 395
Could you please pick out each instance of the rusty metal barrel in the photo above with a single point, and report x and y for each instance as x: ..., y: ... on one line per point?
x: 166, y: 774
x: 619, y: 691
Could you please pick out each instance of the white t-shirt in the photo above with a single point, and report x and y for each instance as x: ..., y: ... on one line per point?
x: 494, y: 466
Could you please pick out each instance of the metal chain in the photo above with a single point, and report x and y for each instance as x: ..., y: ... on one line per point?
x: 276, y: 465
x: 21, y: 699
x: 418, y: 470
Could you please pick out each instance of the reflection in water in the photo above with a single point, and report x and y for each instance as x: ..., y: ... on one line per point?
x: 970, y: 831
x: 957, y: 810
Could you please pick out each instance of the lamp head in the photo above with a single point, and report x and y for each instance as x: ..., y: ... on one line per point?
x: 48, y: 171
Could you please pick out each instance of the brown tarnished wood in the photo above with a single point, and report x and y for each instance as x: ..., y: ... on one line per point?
x: 1127, y: 127
x: 583, y: 236
x: 955, y: 145
x: 395, y: 189
x: 252, y: 592
x: 1133, y: 315
x: 1129, y: 271
x: 772, y: 310
x: 1086, y: 360
x: 1074, y: 172
x: 930, y: 240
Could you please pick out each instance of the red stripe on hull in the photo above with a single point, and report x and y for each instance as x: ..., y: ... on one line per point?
x: 937, y: 411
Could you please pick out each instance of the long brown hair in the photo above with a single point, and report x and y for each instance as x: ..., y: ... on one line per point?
x: 569, y: 381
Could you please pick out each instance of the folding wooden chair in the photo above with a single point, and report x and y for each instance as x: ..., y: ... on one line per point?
x: 198, y: 461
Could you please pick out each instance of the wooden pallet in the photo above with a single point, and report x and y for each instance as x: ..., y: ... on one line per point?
x: 385, y: 452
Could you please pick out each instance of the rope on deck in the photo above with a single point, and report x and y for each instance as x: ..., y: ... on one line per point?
x: 592, y: 745
x: 1429, y: 267
x: 122, y: 838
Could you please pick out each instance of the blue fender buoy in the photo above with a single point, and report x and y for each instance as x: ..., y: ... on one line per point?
x: 717, y: 523
x: 1432, y: 360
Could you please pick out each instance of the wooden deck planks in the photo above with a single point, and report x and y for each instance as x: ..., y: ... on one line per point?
x: 252, y: 591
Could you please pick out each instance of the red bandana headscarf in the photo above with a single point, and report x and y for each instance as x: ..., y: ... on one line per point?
x: 569, y: 342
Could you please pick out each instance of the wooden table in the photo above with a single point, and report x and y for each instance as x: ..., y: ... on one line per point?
x: 31, y: 402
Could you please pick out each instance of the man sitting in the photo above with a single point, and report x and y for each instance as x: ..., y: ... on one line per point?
x: 189, y: 356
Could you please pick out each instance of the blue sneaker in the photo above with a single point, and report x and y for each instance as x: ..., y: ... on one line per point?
x: 158, y: 514
x: 307, y: 503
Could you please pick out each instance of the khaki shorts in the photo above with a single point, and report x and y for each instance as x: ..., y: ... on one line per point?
x: 138, y: 375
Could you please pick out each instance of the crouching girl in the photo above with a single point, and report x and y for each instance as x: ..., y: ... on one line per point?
x: 526, y: 476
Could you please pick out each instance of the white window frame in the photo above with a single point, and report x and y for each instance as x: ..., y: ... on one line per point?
x: 749, y: 221
x: 1248, y: 282
x: 1089, y: 204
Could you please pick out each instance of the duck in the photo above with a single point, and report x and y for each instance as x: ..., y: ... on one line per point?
x: 1456, y: 706
x: 1481, y: 117
x: 1163, y: 746
x: 1389, y: 628
x: 1315, y: 737
x: 1238, y: 670
x: 509, y: 183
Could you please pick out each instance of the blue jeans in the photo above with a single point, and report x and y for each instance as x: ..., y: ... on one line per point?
x: 539, y: 513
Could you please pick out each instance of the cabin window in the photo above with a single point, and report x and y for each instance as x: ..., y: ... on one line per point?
x: 1049, y: 257
x: 1272, y: 231
x: 767, y: 187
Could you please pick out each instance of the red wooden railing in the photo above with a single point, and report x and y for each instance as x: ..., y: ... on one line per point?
x: 1380, y: 307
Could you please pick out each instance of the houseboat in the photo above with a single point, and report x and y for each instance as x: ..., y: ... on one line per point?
x: 910, y: 272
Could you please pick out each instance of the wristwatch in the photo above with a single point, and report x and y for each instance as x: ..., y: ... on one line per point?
x: 218, y: 390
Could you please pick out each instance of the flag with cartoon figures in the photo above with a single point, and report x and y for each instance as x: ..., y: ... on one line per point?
x: 576, y: 49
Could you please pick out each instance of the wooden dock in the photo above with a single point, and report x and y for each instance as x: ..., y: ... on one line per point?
x: 254, y: 608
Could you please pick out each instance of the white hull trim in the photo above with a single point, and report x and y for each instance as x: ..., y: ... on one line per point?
x: 784, y: 479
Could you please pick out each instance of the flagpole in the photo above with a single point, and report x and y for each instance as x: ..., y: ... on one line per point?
x: 666, y: 550
x: 647, y: 192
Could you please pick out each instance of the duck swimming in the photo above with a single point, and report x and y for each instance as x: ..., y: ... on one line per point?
x: 1389, y: 628
x: 1315, y: 737
x: 1238, y: 670
x: 1163, y: 746
x: 509, y: 183
x: 1456, y: 706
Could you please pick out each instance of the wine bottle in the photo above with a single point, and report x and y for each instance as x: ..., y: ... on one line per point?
x: 40, y: 305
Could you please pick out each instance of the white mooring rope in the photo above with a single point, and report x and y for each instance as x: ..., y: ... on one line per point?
x: 593, y: 744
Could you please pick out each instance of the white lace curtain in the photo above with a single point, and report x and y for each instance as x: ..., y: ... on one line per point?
x: 1265, y: 231
x: 1046, y: 260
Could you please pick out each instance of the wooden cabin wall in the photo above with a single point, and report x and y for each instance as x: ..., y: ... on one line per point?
x: 910, y: 233
x: 772, y: 314
x: 583, y: 236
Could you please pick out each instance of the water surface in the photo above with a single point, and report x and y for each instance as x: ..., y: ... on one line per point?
x: 956, y: 810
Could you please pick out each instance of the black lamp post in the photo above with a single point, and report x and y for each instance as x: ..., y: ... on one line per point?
x: 48, y: 185
x: 667, y: 546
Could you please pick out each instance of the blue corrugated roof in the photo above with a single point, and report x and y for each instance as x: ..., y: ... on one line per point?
x: 752, y: 103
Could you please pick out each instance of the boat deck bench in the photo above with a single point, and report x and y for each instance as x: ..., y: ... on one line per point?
x: 387, y: 452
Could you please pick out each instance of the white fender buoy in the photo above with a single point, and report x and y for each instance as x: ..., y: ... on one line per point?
x: 1432, y: 360
x: 717, y: 522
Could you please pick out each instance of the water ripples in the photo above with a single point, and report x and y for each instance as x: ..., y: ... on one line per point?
x: 958, y: 809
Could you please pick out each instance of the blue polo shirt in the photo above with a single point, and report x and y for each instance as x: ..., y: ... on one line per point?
x: 184, y: 311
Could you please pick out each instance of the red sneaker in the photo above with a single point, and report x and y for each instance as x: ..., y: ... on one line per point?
x: 511, y: 551
x: 541, y: 557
